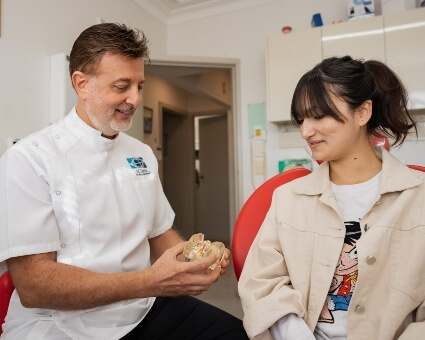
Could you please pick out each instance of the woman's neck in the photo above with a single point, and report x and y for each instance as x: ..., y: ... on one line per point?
x: 355, y: 170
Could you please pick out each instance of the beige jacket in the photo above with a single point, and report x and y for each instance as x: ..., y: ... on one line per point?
x: 292, y: 261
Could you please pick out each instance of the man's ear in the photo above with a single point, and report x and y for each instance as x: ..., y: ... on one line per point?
x: 80, y: 81
x: 365, y: 112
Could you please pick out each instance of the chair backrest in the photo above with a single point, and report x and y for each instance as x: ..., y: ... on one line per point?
x: 6, y: 290
x: 253, y: 213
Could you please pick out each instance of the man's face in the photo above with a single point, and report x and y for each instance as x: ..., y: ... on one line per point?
x: 113, y: 94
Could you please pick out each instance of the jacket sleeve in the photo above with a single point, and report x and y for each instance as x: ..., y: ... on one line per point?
x: 264, y: 285
x: 416, y: 329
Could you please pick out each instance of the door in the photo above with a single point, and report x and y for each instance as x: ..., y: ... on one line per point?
x: 178, y: 169
x: 212, y: 193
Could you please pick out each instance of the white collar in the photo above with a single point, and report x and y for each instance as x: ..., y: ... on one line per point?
x: 88, y: 135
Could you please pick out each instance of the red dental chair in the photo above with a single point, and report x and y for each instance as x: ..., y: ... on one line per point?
x: 253, y: 213
x: 6, y: 290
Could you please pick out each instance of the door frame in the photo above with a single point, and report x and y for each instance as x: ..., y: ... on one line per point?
x: 234, y: 123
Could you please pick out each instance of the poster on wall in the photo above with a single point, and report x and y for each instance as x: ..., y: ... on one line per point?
x: 147, y: 119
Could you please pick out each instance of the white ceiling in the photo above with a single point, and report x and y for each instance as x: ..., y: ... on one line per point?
x: 178, y: 11
x: 185, y: 77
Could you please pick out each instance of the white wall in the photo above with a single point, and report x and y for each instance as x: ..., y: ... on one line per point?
x: 242, y: 35
x: 33, y: 30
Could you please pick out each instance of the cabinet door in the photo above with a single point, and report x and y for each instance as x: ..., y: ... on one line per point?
x: 288, y: 57
x: 360, y: 39
x: 405, y: 50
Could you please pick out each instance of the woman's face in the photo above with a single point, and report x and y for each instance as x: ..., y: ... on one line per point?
x: 329, y: 139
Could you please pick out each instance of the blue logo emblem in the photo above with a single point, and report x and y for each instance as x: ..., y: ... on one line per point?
x: 136, y: 162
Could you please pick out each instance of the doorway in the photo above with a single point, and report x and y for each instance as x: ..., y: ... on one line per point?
x: 176, y: 139
x: 195, y: 163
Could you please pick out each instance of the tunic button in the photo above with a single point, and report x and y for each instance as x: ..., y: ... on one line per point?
x: 57, y: 136
x: 63, y: 245
x: 58, y: 192
x: 370, y: 259
x: 377, y: 203
x: 359, y: 309
x: 35, y: 144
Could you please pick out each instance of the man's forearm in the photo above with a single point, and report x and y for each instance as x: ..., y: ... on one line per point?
x: 43, y: 283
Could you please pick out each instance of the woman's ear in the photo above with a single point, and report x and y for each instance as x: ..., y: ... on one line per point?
x: 80, y: 82
x: 365, y: 112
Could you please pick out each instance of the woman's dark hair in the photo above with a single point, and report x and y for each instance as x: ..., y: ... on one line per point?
x: 99, y: 39
x: 355, y: 81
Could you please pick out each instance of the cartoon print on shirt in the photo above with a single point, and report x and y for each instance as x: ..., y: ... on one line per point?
x: 345, y: 276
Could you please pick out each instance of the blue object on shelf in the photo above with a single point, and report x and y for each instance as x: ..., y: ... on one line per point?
x: 316, y: 21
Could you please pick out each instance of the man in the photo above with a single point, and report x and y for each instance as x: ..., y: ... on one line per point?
x: 83, y: 210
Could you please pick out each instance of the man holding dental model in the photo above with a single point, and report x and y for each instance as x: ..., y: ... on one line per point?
x: 84, y: 212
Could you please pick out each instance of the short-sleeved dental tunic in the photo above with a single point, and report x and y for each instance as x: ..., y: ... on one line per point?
x: 93, y: 201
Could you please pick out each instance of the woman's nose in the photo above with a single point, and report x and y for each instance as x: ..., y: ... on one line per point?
x: 306, y: 128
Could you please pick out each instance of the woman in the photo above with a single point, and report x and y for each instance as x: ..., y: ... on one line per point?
x: 340, y: 253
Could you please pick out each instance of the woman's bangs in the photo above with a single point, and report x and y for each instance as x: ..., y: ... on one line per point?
x: 307, y: 103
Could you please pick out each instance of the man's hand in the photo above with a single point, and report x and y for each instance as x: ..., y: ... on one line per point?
x: 170, y: 238
x: 171, y: 277
x: 225, y: 262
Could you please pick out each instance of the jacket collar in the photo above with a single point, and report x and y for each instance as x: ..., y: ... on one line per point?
x: 318, y: 181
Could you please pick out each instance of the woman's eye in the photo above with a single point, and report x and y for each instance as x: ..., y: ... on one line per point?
x: 319, y: 117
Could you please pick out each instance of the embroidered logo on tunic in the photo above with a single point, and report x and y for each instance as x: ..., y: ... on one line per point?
x: 136, y: 162
x: 139, y: 165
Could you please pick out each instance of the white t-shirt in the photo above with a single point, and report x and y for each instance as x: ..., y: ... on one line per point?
x: 95, y: 202
x: 354, y: 201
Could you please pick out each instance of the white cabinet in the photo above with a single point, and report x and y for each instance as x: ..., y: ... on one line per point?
x: 288, y: 57
x: 362, y: 38
x: 405, y: 51
x: 397, y: 39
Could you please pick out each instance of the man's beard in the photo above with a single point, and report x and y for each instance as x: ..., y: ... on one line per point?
x: 106, y: 122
